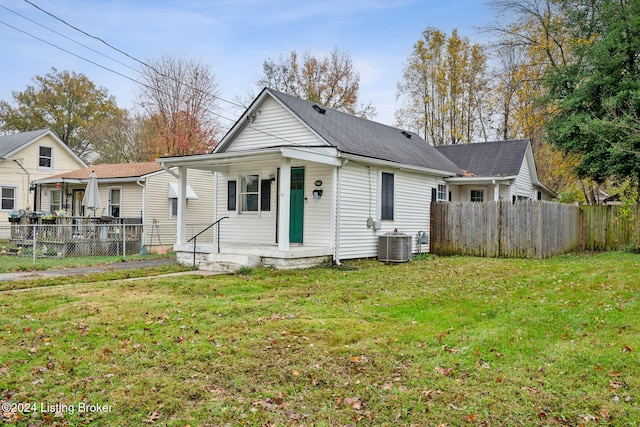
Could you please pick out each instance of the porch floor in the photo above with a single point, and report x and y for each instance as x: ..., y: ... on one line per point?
x: 237, y: 255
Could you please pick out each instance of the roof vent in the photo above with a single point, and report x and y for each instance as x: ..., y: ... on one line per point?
x: 406, y: 134
x: 319, y: 109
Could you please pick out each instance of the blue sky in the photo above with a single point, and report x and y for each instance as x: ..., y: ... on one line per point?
x: 233, y: 36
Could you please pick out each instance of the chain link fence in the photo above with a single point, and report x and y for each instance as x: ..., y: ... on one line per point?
x: 43, y: 244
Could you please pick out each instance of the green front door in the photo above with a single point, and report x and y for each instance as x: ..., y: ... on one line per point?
x: 296, y: 213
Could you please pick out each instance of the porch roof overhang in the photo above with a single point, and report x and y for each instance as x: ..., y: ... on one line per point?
x: 481, y: 180
x: 221, y: 161
x: 53, y: 181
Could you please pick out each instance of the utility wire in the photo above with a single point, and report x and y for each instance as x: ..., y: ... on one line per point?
x: 126, y: 54
x: 68, y: 38
x: 251, y: 126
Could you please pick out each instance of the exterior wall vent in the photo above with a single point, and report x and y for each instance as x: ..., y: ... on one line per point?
x: 319, y: 109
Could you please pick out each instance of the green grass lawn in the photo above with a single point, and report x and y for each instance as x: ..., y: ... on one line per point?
x: 441, y: 341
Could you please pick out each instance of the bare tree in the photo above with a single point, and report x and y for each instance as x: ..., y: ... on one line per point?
x: 331, y: 81
x: 120, y: 139
x: 179, y: 97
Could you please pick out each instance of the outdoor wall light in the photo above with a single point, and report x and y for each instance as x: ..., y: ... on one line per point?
x: 317, y: 194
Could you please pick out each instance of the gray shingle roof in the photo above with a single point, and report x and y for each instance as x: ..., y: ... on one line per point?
x: 497, y: 158
x: 358, y: 136
x: 10, y: 143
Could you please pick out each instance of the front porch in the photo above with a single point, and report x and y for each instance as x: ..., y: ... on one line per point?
x: 233, y: 256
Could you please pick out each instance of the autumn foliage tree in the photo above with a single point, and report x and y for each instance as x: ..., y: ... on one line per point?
x: 532, y: 38
x: 331, y: 81
x: 443, y: 90
x: 63, y: 101
x: 179, y: 97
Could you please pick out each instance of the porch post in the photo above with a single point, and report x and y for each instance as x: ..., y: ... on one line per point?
x: 284, y: 204
x: 496, y: 192
x: 181, y: 226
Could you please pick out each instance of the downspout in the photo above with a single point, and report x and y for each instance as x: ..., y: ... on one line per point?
x: 144, y: 209
x: 28, y: 179
x: 336, y: 191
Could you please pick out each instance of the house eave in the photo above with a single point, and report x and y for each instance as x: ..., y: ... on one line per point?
x: 476, y: 180
x: 393, y: 165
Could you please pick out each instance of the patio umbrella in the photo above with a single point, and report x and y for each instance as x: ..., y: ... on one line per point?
x: 91, y: 199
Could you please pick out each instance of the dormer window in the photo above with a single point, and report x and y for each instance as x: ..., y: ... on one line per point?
x: 45, y: 157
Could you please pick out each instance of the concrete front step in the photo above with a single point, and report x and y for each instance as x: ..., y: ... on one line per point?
x: 229, y: 263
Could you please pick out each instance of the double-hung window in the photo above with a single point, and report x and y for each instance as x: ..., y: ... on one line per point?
x: 442, y: 193
x: 249, y: 193
x: 55, y: 201
x: 115, y: 201
x: 45, y: 157
x: 387, y: 195
x: 8, y: 198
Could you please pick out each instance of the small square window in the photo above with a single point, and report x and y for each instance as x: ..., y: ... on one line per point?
x: 477, y: 195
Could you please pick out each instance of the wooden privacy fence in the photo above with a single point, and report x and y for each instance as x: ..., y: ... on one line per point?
x: 528, y: 229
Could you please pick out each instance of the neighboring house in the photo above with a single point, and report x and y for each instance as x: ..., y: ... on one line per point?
x: 144, y: 191
x: 26, y: 157
x: 492, y: 171
x: 303, y: 184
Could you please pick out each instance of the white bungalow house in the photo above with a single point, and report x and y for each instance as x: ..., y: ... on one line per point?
x: 298, y: 184
x: 138, y: 193
x: 492, y: 171
x: 26, y: 157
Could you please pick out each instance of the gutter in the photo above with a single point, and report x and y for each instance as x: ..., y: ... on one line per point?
x: 389, y: 164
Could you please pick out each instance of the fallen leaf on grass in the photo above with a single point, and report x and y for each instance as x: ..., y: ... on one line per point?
x: 354, y: 402
x: 444, y: 371
x: 471, y: 418
x: 153, y: 418
x: 627, y: 349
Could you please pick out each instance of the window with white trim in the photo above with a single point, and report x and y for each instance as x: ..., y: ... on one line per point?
x: 8, y: 198
x: 115, y: 201
x: 442, y: 193
x: 477, y: 195
x: 173, y: 208
x: 45, y: 157
x: 387, y: 195
x: 55, y: 200
x: 249, y: 193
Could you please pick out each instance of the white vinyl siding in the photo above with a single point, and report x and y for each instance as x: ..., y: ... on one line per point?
x: 524, y: 186
x: 317, y: 213
x: 358, y: 191
x: 200, y: 211
x: 273, y: 126
x: 259, y: 227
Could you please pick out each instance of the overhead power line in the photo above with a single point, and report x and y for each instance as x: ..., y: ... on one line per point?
x: 128, y: 55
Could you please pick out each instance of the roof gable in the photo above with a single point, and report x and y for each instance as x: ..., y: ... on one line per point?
x: 11, y: 144
x: 349, y: 134
x: 496, y: 158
